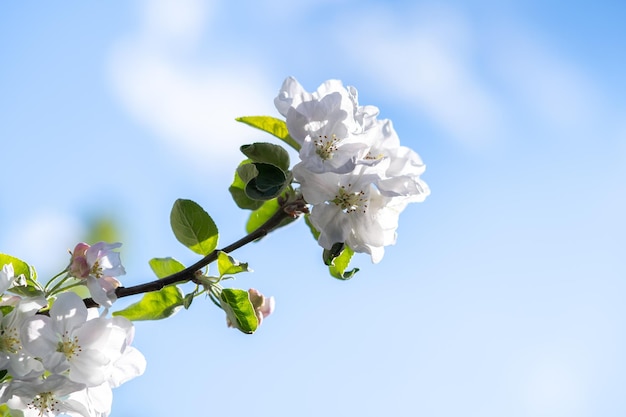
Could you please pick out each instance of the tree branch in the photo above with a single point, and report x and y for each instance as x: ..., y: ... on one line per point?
x: 289, y: 209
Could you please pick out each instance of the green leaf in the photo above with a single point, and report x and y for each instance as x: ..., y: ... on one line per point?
x: 160, y: 304
x: 227, y: 265
x: 269, y: 183
x: 236, y: 303
x: 263, y: 213
x: 164, y: 267
x: 337, y: 259
x: 188, y: 300
x: 193, y: 227
x: 19, y: 267
x: 155, y: 305
x: 237, y: 188
x: 247, y: 171
x: 272, y: 126
x: 267, y: 153
x: 32, y: 287
x: 4, y: 411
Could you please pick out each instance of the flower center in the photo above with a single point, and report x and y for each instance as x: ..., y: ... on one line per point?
x: 371, y: 157
x: 96, y: 270
x: 69, y: 346
x: 325, y: 146
x: 45, y: 402
x: 9, y: 340
x: 350, y: 202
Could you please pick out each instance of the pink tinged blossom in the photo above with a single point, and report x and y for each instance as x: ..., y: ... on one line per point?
x: 98, y: 265
x: 263, y: 306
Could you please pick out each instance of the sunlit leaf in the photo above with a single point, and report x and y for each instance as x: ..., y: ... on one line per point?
x: 237, y: 306
x: 227, y: 265
x: 155, y: 305
x: 31, y: 288
x: 263, y: 213
x: 272, y: 126
x: 337, y: 259
x: 193, y: 227
x: 160, y: 304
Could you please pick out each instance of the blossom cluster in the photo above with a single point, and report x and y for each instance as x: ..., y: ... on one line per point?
x: 59, y: 357
x: 352, y: 169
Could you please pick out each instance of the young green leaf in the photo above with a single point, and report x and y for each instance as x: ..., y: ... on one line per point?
x: 272, y: 126
x: 239, y: 310
x: 338, y: 259
x: 227, y: 265
x: 155, y: 305
x: 188, y: 300
x: 269, y: 183
x: 263, y: 213
x: 164, y: 267
x: 267, y: 153
x: 159, y: 304
x: 19, y: 267
x: 31, y: 287
x: 237, y: 188
x: 193, y: 227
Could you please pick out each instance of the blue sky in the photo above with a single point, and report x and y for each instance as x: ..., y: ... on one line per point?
x: 504, y: 293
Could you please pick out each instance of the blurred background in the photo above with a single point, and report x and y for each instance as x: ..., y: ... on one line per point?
x: 504, y: 295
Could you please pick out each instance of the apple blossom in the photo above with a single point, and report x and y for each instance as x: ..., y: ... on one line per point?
x: 349, y: 209
x: 263, y: 306
x: 323, y: 124
x: 45, y: 397
x: 68, y: 341
x: 98, y: 265
x: 13, y: 357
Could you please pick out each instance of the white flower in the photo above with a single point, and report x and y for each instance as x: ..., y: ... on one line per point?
x: 399, y: 167
x: 45, y: 398
x: 353, y: 169
x: 13, y: 357
x: 349, y: 209
x: 6, y: 277
x: 323, y: 124
x: 98, y: 265
x: 68, y: 341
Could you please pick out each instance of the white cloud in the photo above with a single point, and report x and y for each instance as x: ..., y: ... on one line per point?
x: 190, y: 106
x: 443, y: 63
x: 554, y: 90
x: 429, y: 65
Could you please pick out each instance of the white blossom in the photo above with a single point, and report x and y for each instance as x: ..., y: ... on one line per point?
x: 46, y: 397
x: 69, y: 342
x: 323, y: 124
x: 358, y: 177
x: 13, y: 357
